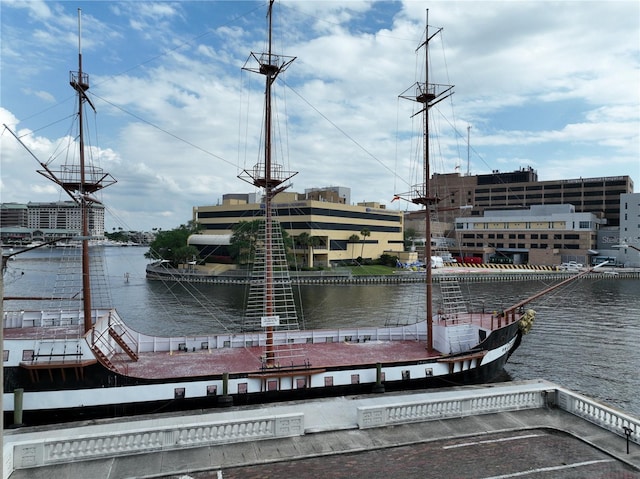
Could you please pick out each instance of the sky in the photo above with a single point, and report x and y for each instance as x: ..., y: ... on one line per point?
x: 550, y: 85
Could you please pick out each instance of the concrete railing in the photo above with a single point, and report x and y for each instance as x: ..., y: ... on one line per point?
x: 71, y: 447
x: 391, y: 414
x: 479, y: 403
x: 31, y: 449
x: 599, y: 414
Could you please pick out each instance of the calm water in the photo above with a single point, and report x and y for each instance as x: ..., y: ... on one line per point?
x: 586, y: 337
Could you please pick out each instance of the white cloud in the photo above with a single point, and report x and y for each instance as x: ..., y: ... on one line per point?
x: 552, y: 85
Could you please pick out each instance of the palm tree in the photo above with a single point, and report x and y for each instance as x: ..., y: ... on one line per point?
x: 303, y: 240
x: 354, y: 238
x: 365, y: 234
x: 312, y: 243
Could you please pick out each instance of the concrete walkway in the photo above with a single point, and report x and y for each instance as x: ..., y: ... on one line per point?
x: 546, y: 440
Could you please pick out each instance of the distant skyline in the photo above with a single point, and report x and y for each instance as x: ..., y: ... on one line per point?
x: 551, y: 85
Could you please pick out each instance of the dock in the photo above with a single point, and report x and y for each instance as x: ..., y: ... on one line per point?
x: 501, y: 430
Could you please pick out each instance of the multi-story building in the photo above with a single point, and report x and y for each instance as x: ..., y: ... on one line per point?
x: 542, y: 234
x: 13, y: 214
x: 629, y: 237
x: 44, y: 221
x: 521, y: 189
x: 333, y: 225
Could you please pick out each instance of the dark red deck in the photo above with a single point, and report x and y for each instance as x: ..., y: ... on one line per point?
x: 241, y: 360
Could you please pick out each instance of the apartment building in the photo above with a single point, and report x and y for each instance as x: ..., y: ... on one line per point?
x: 44, y: 221
x: 333, y: 224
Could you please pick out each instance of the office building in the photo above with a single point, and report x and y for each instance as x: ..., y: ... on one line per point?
x: 334, y: 225
x: 541, y: 234
x: 521, y: 189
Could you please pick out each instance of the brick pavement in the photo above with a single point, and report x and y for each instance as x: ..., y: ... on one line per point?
x: 551, y: 442
x: 539, y: 453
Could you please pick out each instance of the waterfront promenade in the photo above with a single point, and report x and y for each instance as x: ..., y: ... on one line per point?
x: 516, y: 429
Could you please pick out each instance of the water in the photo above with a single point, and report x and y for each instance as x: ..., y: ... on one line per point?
x: 585, y: 336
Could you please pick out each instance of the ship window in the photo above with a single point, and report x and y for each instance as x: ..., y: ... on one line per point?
x: 27, y: 355
x: 5, y: 355
x: 301, y: 383
x: 406, y: 375
x: 248, y: 343
x: 212, y: 390
x: 309, y: 340
x: 272, y: 385
x: 348, y: 339
x: 204, y: 345
x: 242, y: 388
x: 178, y: 393
x: 226, y: 344
x: 355, y: 379
x: 328, y: 381
x: 428, y: 372
x: 182, y: 347
x: 329, y: 339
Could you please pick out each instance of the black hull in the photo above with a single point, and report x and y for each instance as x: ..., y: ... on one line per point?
x: 97, y: 376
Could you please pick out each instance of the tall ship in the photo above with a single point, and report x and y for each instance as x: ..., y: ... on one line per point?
x: 83, y: 362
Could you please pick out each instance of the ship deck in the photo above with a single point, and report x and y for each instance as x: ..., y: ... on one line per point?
x: 248, y: 360
x: 215, y: 361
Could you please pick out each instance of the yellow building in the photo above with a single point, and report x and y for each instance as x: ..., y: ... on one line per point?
x: 332, y: 225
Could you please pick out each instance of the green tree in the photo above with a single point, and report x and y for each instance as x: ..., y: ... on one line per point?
x: 410, y: 234
x: 308, y: 242
x: 353, y: 239
x: 243, y: 241
x: 303, y: 240
x: 171, y: 245
x: 365, y: 234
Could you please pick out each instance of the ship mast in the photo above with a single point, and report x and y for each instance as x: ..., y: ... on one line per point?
x: 82, y: 181
x: 428, y: 94
x: 268, y: 176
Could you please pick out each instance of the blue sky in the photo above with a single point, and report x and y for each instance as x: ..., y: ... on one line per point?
x: 551, y: 85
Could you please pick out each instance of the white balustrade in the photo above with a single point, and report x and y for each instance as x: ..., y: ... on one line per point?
x: 37, y: 453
